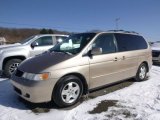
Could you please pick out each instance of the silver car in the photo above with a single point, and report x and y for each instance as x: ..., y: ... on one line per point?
x: 12, y: 55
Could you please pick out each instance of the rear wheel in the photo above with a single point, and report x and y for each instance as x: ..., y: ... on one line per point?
x: 141, y: 73
x: 11, y: 66
x: 68, y: 91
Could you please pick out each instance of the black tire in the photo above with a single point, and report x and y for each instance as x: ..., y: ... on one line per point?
x: 7, y: 71
x: 139, y: 77
x: 62, y: 84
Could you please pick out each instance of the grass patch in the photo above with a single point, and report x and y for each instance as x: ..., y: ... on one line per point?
x: 116, y: 111
x: 103, y: 106
x: 40, y: 110
x: 123, y: 112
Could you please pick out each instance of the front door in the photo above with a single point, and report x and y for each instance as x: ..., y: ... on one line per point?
x: 107, y: 67
x: 43, y: 44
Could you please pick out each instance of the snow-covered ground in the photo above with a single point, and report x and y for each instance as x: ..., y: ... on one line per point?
x: 140, y: 101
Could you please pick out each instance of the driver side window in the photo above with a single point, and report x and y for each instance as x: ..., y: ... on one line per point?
x: 106, y: 43
x: 44, y: 41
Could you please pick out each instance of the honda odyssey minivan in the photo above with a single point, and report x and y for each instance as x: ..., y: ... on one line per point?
x: 81, y: 63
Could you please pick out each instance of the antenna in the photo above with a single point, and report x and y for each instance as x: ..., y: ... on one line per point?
x: 116, y: 22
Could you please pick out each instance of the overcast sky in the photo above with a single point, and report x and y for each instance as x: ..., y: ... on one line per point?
x: 142, y: 16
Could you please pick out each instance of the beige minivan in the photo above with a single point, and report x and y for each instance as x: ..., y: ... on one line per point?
x: 81, y: 63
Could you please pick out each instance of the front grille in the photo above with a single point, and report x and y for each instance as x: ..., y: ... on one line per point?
x: 18, y: 90
x: 19, y: 73
x: 155, y: 53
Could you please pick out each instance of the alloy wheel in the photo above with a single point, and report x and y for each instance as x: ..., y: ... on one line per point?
x: 13, y: 67
x: 142, y: 72
x: 70, y: 92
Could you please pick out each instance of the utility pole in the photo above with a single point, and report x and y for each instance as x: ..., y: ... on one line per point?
x: 116, y: 22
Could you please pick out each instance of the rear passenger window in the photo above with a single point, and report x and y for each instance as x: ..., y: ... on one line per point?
x: 106, y: 42
x: 127, y: 42
x: 141, y: 43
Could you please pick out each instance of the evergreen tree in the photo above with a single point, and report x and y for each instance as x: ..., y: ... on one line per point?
x: 50, y: 31
x: 43, y: 31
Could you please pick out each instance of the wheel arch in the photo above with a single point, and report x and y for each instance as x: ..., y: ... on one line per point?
x: 147, y: 65
x: 12, y: 57
x: 81, y: 77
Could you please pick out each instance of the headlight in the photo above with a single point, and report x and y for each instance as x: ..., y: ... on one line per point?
x: 36, y: 77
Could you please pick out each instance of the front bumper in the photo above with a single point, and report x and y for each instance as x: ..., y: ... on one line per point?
x: 1, y: 62
x: 33, y: 91
x: 156, y: 59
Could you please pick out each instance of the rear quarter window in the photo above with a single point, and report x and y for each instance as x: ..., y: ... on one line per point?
x: 128, y: 42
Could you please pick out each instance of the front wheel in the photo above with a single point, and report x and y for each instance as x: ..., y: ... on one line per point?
x: 11, y: 66
x: 68, y: 91
x: 141, y: 73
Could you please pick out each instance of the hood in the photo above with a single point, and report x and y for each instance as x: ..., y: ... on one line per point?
x: 9, y: 46
x: 156, y: 48
x: 43, y: 61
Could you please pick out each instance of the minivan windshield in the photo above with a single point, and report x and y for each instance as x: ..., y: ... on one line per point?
x: 74, y: 43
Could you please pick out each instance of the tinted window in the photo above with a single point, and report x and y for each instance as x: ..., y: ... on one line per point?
x: 128, y: 42
x: 141, y: 42
x: 106, y: 42
x: 43, y: 41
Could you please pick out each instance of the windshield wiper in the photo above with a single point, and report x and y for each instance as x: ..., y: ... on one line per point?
x: 68, y: 53
x: 62, y: 52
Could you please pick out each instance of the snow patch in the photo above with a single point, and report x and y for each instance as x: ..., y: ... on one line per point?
x: 139, y: 101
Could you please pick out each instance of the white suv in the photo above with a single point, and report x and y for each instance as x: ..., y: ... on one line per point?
x: 156, y: 52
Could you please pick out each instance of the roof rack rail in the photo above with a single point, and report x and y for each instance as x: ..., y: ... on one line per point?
x: 124, y: 31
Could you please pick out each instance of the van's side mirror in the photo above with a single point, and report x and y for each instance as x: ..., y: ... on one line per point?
x: 96, y: 51
x: 34, y: 44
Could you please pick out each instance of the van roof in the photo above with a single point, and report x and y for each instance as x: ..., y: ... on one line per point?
x: 123, y: 31
x: 116, y: 31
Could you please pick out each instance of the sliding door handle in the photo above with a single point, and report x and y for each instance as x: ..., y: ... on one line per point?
x: 115, y: 59
x: 123, y: 58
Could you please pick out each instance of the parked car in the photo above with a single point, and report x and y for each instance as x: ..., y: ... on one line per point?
x: 13, y: 54
x: 80, y: 64
x: 156, y: 52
